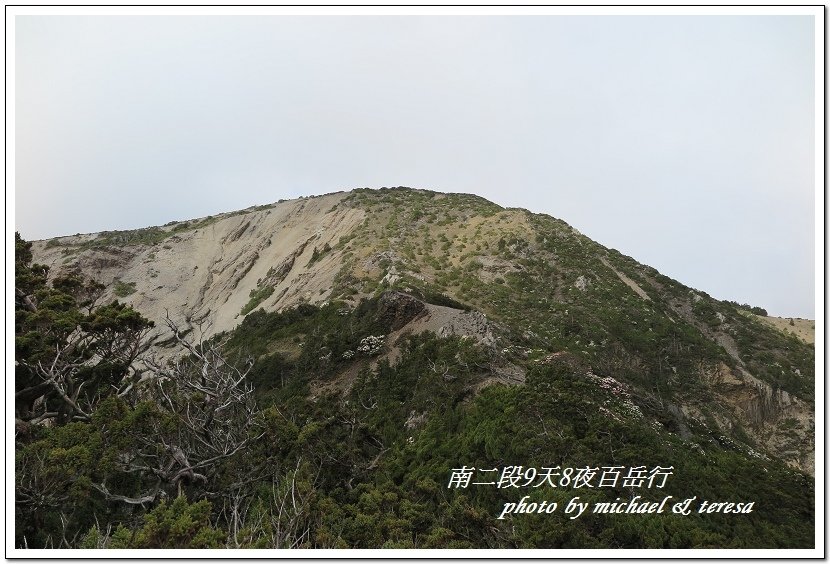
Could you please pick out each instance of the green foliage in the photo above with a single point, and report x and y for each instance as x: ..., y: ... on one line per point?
x: 746, y: 307
x: 370, y: 468
x: 410, y: 422
x: 69, y: 353
x: 432, y: 296
x: 172, y: 525
x: 257, y: 297
x: 318, y: 254
x: 123, y: 289
x: 146, y: 236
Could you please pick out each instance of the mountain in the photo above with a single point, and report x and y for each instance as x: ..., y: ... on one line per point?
x: 404, y: 333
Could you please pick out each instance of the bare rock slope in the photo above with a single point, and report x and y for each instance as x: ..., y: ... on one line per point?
x: 203, y: 277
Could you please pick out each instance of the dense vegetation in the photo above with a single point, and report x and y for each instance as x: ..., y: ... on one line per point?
x: 301, y: 429
x: 372, y: 470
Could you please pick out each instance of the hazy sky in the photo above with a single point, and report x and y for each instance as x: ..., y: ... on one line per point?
x: 686, y: 142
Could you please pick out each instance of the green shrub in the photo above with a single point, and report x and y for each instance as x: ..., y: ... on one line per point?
x: 123, y: 289
x: 257, y: 297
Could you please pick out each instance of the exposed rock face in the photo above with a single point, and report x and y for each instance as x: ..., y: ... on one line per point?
x: 777, y: 421
x: 396, y: 309
x: 468, y: 323
x: 209, y: 273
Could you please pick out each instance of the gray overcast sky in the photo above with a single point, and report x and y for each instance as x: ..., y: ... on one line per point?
x: 686, y: 142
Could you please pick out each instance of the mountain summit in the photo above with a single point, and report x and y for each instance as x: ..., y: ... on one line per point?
x: 424, y: 325
x: 547, y: 287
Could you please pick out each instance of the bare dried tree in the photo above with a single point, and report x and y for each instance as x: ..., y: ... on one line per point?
x: 208, y: 414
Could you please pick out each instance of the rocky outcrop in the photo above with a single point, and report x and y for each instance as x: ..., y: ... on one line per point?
x: 396, y: 309
x: 773, y: 419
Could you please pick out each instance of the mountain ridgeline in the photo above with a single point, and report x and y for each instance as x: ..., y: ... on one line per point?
x: 390, y: 340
